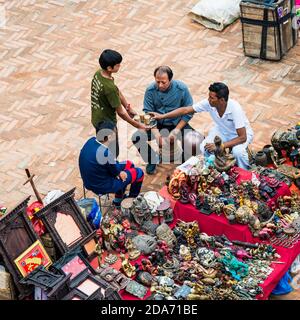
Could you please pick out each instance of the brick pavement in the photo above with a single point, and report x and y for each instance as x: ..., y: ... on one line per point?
x: 49, y: 53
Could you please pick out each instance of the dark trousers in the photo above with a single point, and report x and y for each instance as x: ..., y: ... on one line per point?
x: 135, y: 177
x: 140, y: 140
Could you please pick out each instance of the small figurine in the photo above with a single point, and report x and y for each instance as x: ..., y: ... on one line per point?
x: 164, y: 232
x: 145, y: 278
x: 99, y: 251
x: 111, y: 258
x: 148, y: 267
x: 141, y: 210
x: 127, y: 267
x: 158, y: 257
x: 133, y: 252
x: 162, y: 245
x: 223, y: 161
x: 185, y: 253
x: 184, y: 192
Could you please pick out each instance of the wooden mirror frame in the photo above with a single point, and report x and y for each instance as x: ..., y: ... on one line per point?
x: 67, y: 205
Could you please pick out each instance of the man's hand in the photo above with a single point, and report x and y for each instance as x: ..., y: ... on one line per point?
x: 210, y: 147
x: 130, y: 110
x: 123, y: 175
x: 142, y: 126
x: 155, y: 115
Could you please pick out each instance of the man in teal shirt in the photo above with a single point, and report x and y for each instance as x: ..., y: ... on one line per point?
x: 163, y: 96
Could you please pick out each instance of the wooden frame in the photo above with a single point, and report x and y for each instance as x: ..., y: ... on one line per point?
x: 58, y: 266
x: 86, y: 280
x: 40, y: 277
x: 16, y: 235
x: 61, y: 289
x: 59, y: 217
x: 75, y: 293
x: 31, y: 258
x: 87, y: 244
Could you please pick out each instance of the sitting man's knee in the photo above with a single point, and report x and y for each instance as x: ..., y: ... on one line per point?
x: 239, y: 151
x: 139, y: 175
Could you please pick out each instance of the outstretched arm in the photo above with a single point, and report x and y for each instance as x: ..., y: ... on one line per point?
x: 125, y: 116
x: 173, y: 114
x: 126, y: 105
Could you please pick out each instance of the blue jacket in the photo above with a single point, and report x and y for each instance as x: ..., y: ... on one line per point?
x: 97, y: 166
x: 175, y: 97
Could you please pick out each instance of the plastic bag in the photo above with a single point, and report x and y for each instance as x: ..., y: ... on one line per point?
x: 91, y: 211
x: 216, y: 14
x: 51, y: 196
x: 283, y: 286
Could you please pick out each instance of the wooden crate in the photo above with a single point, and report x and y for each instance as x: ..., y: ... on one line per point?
x: 268, y: 31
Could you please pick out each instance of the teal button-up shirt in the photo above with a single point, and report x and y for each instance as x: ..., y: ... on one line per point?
x: 175, y: 97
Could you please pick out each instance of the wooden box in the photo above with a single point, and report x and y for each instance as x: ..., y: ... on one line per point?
x: 267, y: 26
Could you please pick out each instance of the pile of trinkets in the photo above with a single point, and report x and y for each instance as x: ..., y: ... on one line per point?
x: 249, y: 202
x: 183, y: 263
x: 202, y: 267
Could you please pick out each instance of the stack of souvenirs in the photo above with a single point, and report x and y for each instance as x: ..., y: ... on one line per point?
x: 211, y: 186
x: 53, y: 251
x: 184, y: 263
x: 157, y: 263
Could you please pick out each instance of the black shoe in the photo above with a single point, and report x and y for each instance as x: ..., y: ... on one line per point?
x: 151, y: 168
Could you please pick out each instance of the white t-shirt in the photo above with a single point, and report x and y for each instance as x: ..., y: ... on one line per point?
x: 233, y: 118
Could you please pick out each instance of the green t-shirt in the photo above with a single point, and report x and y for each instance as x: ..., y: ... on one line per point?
x: 104, y: 99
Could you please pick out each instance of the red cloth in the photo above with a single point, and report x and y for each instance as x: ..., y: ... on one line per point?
x: 219, y: 225
x: 212, y: 224
x: 287, y: 256
x: 128, y: 165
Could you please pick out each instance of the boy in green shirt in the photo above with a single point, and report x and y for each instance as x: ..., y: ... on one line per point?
x: 106, y: 99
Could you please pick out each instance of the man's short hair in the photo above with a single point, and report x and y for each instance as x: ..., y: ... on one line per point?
x: 164, y: 69
x: 104, y: 129
x: 220, y: 89
x: 109, y: 58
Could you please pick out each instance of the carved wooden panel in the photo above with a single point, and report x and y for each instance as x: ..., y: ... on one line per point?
x: 16, y: 235
x: 42, y: 278
x: 65, y: 222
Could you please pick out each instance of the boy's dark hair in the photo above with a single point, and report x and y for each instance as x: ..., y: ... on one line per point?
x: 109, y: 58
x: 164, y: 69
x: 220, y: 89
x: 105, y: 129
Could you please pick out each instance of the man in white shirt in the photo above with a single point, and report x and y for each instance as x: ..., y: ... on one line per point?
x: 231, y: 123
